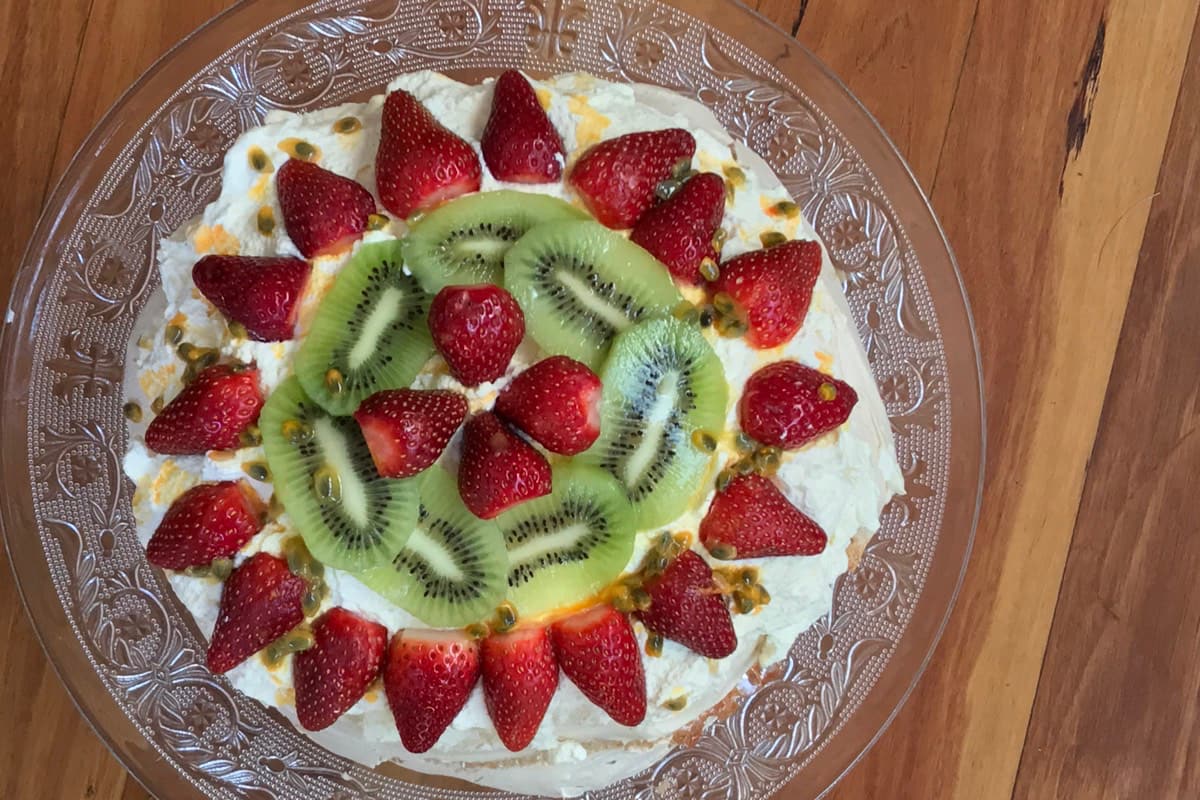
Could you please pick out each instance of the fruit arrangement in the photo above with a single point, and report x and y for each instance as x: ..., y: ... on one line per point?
x: 516, y: 555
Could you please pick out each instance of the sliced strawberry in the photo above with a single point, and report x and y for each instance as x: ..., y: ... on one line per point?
x: 773, y: 288
x: 420, y: 163
x: 261, y: 601
x: 207, y: 522
x: 476, y: 329
x: 499, y: 469
x: 617, y: 177
x: 323, y: 212
x: 428, y: 678
x: 520, y: 676
x: 679, y: 231
x: 520, y: 143
x: 751, y: 518
x: 599, y: 652
x: 260, y: 293
x: 336, y: 672
x: 556, y: 402
x: 686, y: 607
x: 787, y: 404
x: 407, y: 429
x: 209, y: 414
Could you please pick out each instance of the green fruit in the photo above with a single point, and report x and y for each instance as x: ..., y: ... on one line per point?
x: 662, y: 384
x: 349, y: 516
x: 581, y: 284
x: 370, y: 332
x: 452, y: 571
x: 568, y: 545
x: 464, y: 241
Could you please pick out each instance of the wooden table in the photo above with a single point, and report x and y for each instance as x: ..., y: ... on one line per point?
x: 1059, y: 143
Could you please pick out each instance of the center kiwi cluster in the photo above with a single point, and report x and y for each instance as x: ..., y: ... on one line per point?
x: 587, y: 293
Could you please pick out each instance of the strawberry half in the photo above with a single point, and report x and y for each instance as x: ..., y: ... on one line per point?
x: 207, y: 522
x: 599, y: 652
x: 556, y: 402
x: 420, y: 163
x: 261, y: 601
x: 520, y: 676
x: 687, y: 607
x: 519, y: 142
x: 617, y: 177
x: 209, y: 414
x: 499, y: 469
x: 428, y: 678
x: 751, y: 518
x: 261, y: 293
x: 323, y: 212
x: 774, y: 289
x: 476, y: 329
x: 787, y: 404
x: 407, y: 429
x: 336, y: 672
x: 679, y: 231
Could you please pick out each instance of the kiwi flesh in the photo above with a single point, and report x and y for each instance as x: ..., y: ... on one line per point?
x: 568, y: 545
x: 370, y: 332
x: 453, y: 569
x: 349, y: 516
x: 662, y: 384
x: 464, y: 241
x: 580, y: 284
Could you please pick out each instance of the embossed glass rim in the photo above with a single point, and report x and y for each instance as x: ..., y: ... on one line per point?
x: 72, y: 663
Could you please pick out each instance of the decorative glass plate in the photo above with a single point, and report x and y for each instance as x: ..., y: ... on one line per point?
x: 124, y: 647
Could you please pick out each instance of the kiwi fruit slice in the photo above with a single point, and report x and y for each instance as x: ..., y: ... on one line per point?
x: 580, y: 284
x: 349, y: 516
x: 664, y: 389
x: 464, y: 241
x: 452, y: 572
x: 568, y: 545
x: 370, y: 332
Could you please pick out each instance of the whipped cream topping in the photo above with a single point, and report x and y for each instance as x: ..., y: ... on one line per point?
x: 842, y: 480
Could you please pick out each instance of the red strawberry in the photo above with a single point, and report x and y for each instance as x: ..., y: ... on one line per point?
x: 787, y: 404
x: 261, y: 601
x: 617, y: 177
x: 679, y: 231
x: 260, y: 293
x: 207, y: 522
x: 598, y: 651
x: 209, y: 414
x: 753, y: 518
x: 428, y: 678
x: 323, y: 212
x: 556, y: 402
x: 773, y: 288
x: 420, y: 163
x: 476, y: 329
x: 520, y: 143
x: 499, y: 469
x: 520, y: 675
x: 407, y: 429
x: 686, y: 607
x: 335, y: 673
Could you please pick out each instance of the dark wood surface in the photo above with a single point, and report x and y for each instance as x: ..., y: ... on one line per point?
x: 1063, y: 159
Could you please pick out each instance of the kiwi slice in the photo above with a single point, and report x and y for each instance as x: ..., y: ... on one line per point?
x: 348, y: 516
x: 370, y: 332
x: 568, y: 545
x: 464, y: 241
x: 664, y: 388
x: 452, y: 571
x: 581, y: 284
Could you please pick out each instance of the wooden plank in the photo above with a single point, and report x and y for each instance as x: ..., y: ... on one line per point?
x: 1115, y: 715
x: 1047, y: 215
